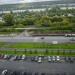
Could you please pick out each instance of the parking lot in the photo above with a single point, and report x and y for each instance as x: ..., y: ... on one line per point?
x: 36, y: 65
x: 38, y: 59
x: 33, y: 68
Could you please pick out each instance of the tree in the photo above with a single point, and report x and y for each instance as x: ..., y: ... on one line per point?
x: 30, y: 51
x: 9, y: 19
x: 35, y: 52
x: 18, y: 26
x: 1, y: 24
x: 43, y: 21
x: 38, y: 23
x: 56, y: 19
x: 15, y: 51
x: 46, y: 51
x: 65, y: 22
x: 29, y: 20
x: 25, y: 51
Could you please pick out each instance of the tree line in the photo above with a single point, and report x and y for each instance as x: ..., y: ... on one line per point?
x: 55, y: 18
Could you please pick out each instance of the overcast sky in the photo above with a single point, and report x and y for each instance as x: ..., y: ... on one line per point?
x: 20, y: 1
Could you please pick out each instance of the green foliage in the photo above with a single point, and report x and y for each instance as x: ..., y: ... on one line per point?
x: 1, y: 24
x: 36, y: 45
x: 28, y: 20
x: 9, y: 19
x: 45, y: 21
x: 56, y: 19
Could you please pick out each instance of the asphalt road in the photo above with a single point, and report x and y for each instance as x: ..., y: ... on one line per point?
x: 59, y: 39
x: 38, y: 67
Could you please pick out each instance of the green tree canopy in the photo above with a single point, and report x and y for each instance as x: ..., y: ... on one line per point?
x: 9, y: 19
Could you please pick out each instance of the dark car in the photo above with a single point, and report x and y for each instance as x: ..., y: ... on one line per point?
x: 42, y: 37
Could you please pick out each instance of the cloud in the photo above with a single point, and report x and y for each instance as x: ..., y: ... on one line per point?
x: 20, y: 1
x: 33, y: 0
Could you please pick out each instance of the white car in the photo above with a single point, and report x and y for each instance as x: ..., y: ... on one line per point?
x: 23, y: 57
x: 5, y: 56
x: 57, y: 58
x: 54, y: 42
x: 49, y: 59
x: 39, y: 59
x: 4, y: 72
x: 53, y: 58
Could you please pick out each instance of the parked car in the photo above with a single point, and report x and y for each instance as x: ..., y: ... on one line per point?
x: 19, y: 57
x: 49, y: 59
x: 36, y: 58
x: 67, y: 59
x: 32, y: 58
x: 16, y: 73
x: 39, y: 59
x: 36, y: 73
x: 24, y: 73
x: 23, y: 57
x: 5, y: 56
x: 4, y: 72
x: 53, y: 58
x: 1, y: 56
x: 13, y: 58
x: 57, y: 58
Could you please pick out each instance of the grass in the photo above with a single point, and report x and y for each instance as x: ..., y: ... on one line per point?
x: 48, y: 49
x: 42, y: 46
x: 2, y: 44
x: 30, y: 53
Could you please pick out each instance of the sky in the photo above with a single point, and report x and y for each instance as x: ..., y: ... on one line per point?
x: 19, y: 1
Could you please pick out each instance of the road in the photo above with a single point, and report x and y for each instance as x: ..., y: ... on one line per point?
x: 59, y: 39
x: 38, y: 67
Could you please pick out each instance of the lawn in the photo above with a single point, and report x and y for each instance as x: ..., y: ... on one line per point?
x: 42, y: 46
x: 36, y: 53
x: 33, y: 49
x: 2, y: 44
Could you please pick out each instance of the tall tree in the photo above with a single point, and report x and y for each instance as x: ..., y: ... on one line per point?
x: 9, y: 19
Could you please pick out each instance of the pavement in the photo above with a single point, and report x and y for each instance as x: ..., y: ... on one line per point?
x: 48, y: 39
x: 45, y: 67
x: 38, y: 67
